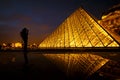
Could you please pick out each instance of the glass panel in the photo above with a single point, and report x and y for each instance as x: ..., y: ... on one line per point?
x: 79, y: 30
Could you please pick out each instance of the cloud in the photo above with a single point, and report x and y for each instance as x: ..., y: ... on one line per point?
x: 37, y: 32
x: 8, y: 34
x: 14, y: 17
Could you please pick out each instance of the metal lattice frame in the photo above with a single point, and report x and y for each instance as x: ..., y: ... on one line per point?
x: 79, y: 30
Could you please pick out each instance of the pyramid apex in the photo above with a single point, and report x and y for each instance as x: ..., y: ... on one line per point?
x: 79, y: 30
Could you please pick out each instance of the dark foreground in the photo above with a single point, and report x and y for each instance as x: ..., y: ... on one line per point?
x: 41, y: 68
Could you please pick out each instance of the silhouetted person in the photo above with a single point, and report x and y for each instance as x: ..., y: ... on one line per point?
x: 24, y: 35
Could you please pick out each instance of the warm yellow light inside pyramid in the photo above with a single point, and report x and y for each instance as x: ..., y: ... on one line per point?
x: 79, y: 30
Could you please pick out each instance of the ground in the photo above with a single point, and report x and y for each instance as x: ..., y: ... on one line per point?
x: 39, y: 68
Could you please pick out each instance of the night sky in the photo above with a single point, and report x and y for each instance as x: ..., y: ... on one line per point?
x: 42, y: 17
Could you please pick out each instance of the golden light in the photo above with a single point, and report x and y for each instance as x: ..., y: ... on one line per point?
x: 104, y: 16
x: 76, y: 32
x: 18, y: 44
x: 4, y: 44
x: 13, y: 44
x: 99, y: 21
x: 83, y: 63
x: 111, y: 22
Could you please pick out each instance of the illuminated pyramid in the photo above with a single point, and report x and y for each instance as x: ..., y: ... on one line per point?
x: 79, y: 30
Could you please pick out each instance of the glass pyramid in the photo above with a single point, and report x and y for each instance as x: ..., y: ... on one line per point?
x: 79, y: 30
x: 84, y: 64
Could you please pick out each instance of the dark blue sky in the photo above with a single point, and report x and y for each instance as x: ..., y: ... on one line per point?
x: 41, y: 17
